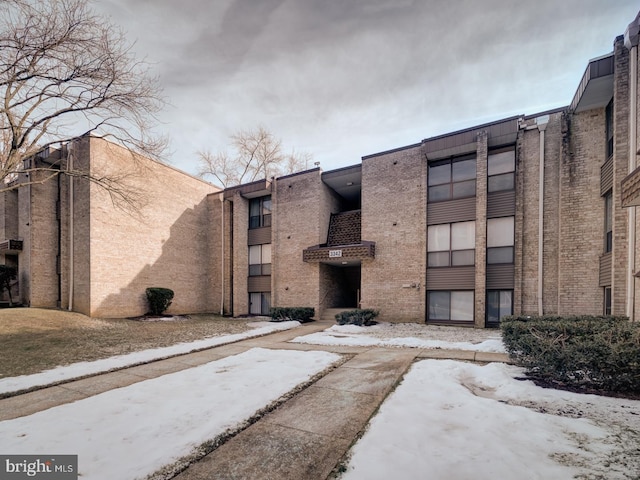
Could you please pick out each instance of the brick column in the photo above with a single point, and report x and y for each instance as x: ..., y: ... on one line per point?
x: 481, y: 230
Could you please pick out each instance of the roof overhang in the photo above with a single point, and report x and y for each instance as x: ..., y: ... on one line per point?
x: 346, y: 182
x: 596, y: 87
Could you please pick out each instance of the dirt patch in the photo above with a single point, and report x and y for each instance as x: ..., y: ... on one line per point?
x: 34, y: 340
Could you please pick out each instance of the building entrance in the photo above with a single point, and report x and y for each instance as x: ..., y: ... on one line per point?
x: 341, y: 285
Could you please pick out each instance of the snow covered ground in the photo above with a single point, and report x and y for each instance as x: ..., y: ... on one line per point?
x: 411, y: 335
x: 81, y: 369
x: 133, y: 431
x: 447, y: 420
x: 454, y: 420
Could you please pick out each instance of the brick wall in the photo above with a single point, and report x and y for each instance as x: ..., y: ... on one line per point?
x: 394, y: 217
x: 162, y: 243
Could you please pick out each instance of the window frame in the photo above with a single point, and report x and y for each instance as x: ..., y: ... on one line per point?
x: 452, y: 255
x: 450, y: 185
x: 261, y: 268
x: 608, y: 221
x: 500, y: 304
x: 502, y: 173
x: 609, y: 129
x: 450, y: 308
x: 262, y: 219
x: 494, y: 248
x: 265, y: 303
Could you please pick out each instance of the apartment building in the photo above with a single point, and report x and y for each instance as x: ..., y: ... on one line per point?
x: 532, y: 214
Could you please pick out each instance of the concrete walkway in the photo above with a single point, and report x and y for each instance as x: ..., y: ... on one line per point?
x: 304, y: 438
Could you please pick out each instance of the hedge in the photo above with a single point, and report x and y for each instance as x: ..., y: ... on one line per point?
x: 284, y: 314
x: 159, y: 299
x: 361, y: 317
x: 583, y: 352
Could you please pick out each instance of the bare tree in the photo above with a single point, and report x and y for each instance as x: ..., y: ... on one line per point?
x: 66, y: 72
x: 258, y: 154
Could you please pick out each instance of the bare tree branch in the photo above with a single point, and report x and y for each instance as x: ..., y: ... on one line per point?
x: 258, y: 155
x: 66, y: 72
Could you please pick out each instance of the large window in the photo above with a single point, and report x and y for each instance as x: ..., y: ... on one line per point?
x: 260, y: 212
x: 608, y: 222
x: 451, y: 179
x: 501, y: 168
x: 500, y: 240
x: 448, y: 306
x: 260, y: 259
x: 259, y: 303
x: 499, y: 304
x: 451, y: 244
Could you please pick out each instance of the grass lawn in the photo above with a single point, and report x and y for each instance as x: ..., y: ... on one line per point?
x: 33, y: 339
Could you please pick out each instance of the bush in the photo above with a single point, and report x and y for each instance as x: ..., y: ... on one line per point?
x: 364, y: 317
x: 284, y: 314
x: 584, y: 352
x: 159, y: 299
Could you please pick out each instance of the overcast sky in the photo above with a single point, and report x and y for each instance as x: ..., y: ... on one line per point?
x: 342, y: 79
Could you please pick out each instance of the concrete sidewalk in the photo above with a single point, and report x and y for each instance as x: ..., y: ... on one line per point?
x: 304, y: 438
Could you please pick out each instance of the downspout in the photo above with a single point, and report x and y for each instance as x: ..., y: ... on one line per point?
x: 542, y: 125
x: 222, y: 236
x: 71, y: 209
x: 631, y: 42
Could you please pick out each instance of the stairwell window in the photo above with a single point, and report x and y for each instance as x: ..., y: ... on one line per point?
x: 501, y: 166
x: 260, y: 260
x: 451, y: 244
x: 500, y: 240
x: 608, y: 222
x: 450, y: 179
x: 260, y: 212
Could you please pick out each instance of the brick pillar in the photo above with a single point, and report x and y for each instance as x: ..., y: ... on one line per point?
x: 481, y: 230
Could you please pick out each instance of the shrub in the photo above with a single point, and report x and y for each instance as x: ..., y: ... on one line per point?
x: 360, y: 317
x: 159, y: 299
x: 284, y: 314
x: 585, y: 352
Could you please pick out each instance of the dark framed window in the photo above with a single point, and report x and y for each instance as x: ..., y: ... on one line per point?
x: 608, y: 221
x: 501, y: 168
x: 500, y: 240
x: 609, y: 128
x: 499, y: 304
x: 259, y: 303
x: 450, y: 306
x: 607, y: 301
x: 260, y: 212
x: 451, y: 244
x: 260, y: 259
x: 449, y: 179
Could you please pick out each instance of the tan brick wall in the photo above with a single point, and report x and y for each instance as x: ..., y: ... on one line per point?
x: 302, y: 206
x: 480, y: 294
x: 163, y: 243
x: 394, y: 217
x: 240, y: 255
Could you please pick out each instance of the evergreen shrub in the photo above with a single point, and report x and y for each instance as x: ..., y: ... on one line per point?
x: 361, y: 317
x: 285, y: 314
x: 581, y: 352
x: 159, y: 299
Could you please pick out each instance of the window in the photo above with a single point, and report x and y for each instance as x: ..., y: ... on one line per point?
x: 607, y: 300
x: 451, y: 179
x: 259, y: 303
x: 608, y: 222
x: 260, y: 212
x: 451, y: 244
x: 260, y: 259
x: 450, y: 306
x: 501, y: 168
x: 609, y: 128
x: 500, y: 240
x: 499, y: 304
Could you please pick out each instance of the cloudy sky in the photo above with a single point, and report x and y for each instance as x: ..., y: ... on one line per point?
x: 342, y: 79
